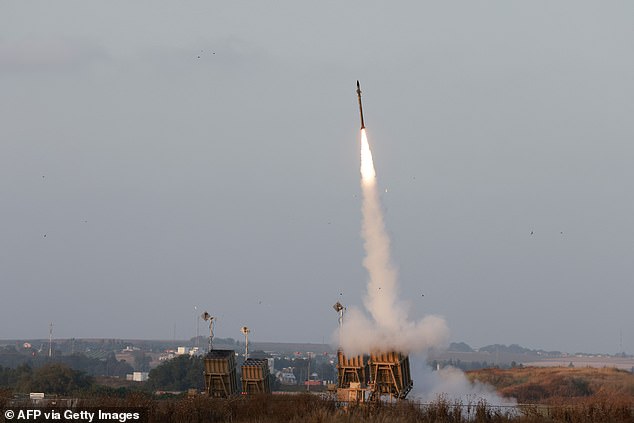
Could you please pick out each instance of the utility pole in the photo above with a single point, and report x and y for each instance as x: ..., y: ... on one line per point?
x: 245, y: 331
x: 50, y: 340
x: 308, y: 375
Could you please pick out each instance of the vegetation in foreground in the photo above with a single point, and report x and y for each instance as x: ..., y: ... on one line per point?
x: 306, y: 408
x: 556, y: 394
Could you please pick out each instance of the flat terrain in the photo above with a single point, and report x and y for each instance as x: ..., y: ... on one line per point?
x: 553, y: 385
x: 625, y: 363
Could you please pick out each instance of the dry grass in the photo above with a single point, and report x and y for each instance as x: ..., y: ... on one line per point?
x: 307, y: 408
x: 560, y: 395
x: 553, y: 385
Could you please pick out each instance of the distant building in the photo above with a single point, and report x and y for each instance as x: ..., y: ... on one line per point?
x: 167, y: 355
x: 36, y: 396
x: 137, y: 376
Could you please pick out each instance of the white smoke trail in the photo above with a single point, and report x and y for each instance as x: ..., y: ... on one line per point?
x: 388, y: 328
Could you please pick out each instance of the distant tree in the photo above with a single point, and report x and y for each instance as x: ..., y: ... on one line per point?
x: 108, y: 366
x: 178, y: 374
x: 116, y: 367
x: 59, y: 379
x: 5, y: 375
x: 274, y: 383
x: 326, y: 370
x: 107, y: 391
x: 460, y: 347
x: 141, y: 361
x: 499, y: 348
x: 18, y: 379
x: 300, y: 370
x: 11, y: 357
x: 281, y: 363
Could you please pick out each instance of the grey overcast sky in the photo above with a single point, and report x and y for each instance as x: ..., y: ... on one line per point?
x: 156, y: 156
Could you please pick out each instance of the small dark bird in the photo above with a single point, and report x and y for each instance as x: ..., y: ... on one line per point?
x: 532, y: 232
x: 45, y: 237
x: 199, y: 57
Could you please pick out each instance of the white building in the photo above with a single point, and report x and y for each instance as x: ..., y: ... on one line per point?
x: 137, y: 376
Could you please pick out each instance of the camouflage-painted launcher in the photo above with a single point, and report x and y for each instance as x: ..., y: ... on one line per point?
x: 220, y: 373
x: 370, y: 377
x: 255, y: 377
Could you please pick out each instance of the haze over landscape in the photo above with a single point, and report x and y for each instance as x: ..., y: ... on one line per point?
x: 160, y: 159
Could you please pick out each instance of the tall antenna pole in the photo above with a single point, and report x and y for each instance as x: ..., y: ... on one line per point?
x: 339, y: 308
x: 245, y: 331
x: 308, y: 374
x: 211, y: 333
x: 197, y: 330
x: 50, y: 340
x: 209, y: 318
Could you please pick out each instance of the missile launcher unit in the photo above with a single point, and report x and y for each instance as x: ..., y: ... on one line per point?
x: 220, y: 373
x: 372, y: 377
x: 255, y: 377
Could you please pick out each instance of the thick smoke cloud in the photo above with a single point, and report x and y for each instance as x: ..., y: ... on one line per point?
x: 451, y: 384
x: 387, y: 327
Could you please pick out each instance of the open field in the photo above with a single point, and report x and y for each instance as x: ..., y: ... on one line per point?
x: 625, y: 363
x: 532, y: 359
x: 554, y: 385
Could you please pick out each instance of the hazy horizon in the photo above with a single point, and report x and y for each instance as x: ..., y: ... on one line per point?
x: 161, y: 159
x: 296, y: 342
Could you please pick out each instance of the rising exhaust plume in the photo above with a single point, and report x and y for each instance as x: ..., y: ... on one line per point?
x: 388, y: 327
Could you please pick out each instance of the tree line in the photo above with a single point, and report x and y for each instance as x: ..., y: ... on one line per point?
x: 52, y: 378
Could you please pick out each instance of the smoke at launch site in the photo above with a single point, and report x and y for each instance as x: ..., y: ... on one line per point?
x: 451, y: 384
x: 388, y: 326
